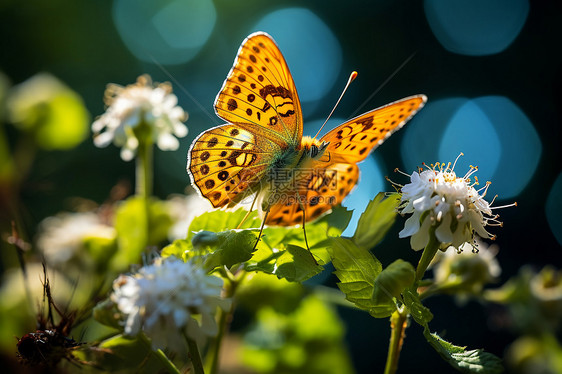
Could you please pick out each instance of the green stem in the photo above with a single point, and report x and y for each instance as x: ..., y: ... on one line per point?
x: 427, y: 255
x: 194, y: 355
x: 164, y: 360
x: 143, y: 187
x: 144, y: 169
x: 398, y: 324
x: 213, y: 365
x: 224, y: 319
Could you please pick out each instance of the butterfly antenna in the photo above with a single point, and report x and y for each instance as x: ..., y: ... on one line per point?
x: 351, y: 79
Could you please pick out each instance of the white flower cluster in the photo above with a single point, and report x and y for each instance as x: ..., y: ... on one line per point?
x: 437, y: 197
x: 128, y: 107
x: 62, y: 237
x: 167, y: 298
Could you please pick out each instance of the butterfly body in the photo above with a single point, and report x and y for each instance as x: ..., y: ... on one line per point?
x: 262, y: 151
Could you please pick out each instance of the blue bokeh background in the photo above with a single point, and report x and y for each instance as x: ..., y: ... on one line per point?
x: 491, y: 71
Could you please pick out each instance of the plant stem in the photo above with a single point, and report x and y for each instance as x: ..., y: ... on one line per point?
x: 214, y: 352
x: 144, y: 169
x: 164, y: 360
x: 224, y: 319
x: 428, y: 253
x: 143, y: 187
x: 194, y: 355
x: 398, y: 324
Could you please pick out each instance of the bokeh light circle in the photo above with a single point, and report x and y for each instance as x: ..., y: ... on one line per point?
x: 491, y: 131
x: 521, y: 145
x: 170, y: 32
x: 312, y: 51
x: 554, y: 209
x: 476, y: 27
x: 471, y: 132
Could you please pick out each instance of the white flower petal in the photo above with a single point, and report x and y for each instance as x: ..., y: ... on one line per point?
x: 449, y: 201
x: 127, y: 154
x: 167, y: 142
x: 411, y: 226
x: 162, y: 298
x: 420, y: 239
x: 137, y: 103
x: 443, y: 232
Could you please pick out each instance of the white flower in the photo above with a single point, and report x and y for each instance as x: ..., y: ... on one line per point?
x: 131, y: 106
x: 167, y: 298
x: 183, y: 209
x: 437, y: 197
x: 62, y: 237
x: 469, y: 266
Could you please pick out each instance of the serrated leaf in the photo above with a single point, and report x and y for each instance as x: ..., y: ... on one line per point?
x: 472, y: 361
x: 220, y: 220
x: 376, y: 220
x: 418, y: 311
x: 394, y: 279
x: 296, y: 264
x: 357, y: 270
x: 233, y: 247
x: 337, y: 220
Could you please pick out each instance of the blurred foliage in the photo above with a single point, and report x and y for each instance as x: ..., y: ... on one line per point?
x: 139, y: 224
x: 50, y: 112
x: 306, y: 340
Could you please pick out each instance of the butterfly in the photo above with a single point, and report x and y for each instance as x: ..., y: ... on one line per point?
x: 261, y: 151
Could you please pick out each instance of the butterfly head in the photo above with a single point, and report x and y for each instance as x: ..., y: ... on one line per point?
x: 314, y: 148
x: 317, y: 151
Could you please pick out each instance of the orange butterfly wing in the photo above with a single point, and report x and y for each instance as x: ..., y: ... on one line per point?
x: 352, y: 141
x: 259, y: 93
x: 259, y: 98
x: 331, y: 178
x: 318, y: 189
x: 227, y: 162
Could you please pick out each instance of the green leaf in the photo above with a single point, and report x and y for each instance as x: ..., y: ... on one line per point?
x: 53, y: 113
x: 357, y: 270
x: 220, y: 220
x: 296, y: 264
x: 128, y: 354
x: 390, y: 284
x: 376, y: 220
x: 317, y: 233
x: 106, y: 313
x: 222, y: 248
x: 418, y: 311
x: 392, y: 281
x: 179, y: 248
x: 233, y: 247
x: 100, y: 249
x: 337, y: 220
x: 266, y: 290
x: 473, y: 361
x: 139, y: 224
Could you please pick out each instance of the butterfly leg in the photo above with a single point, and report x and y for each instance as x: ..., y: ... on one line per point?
x: 261, y: 230
x: 248, y: 214
x: 304, y: 227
